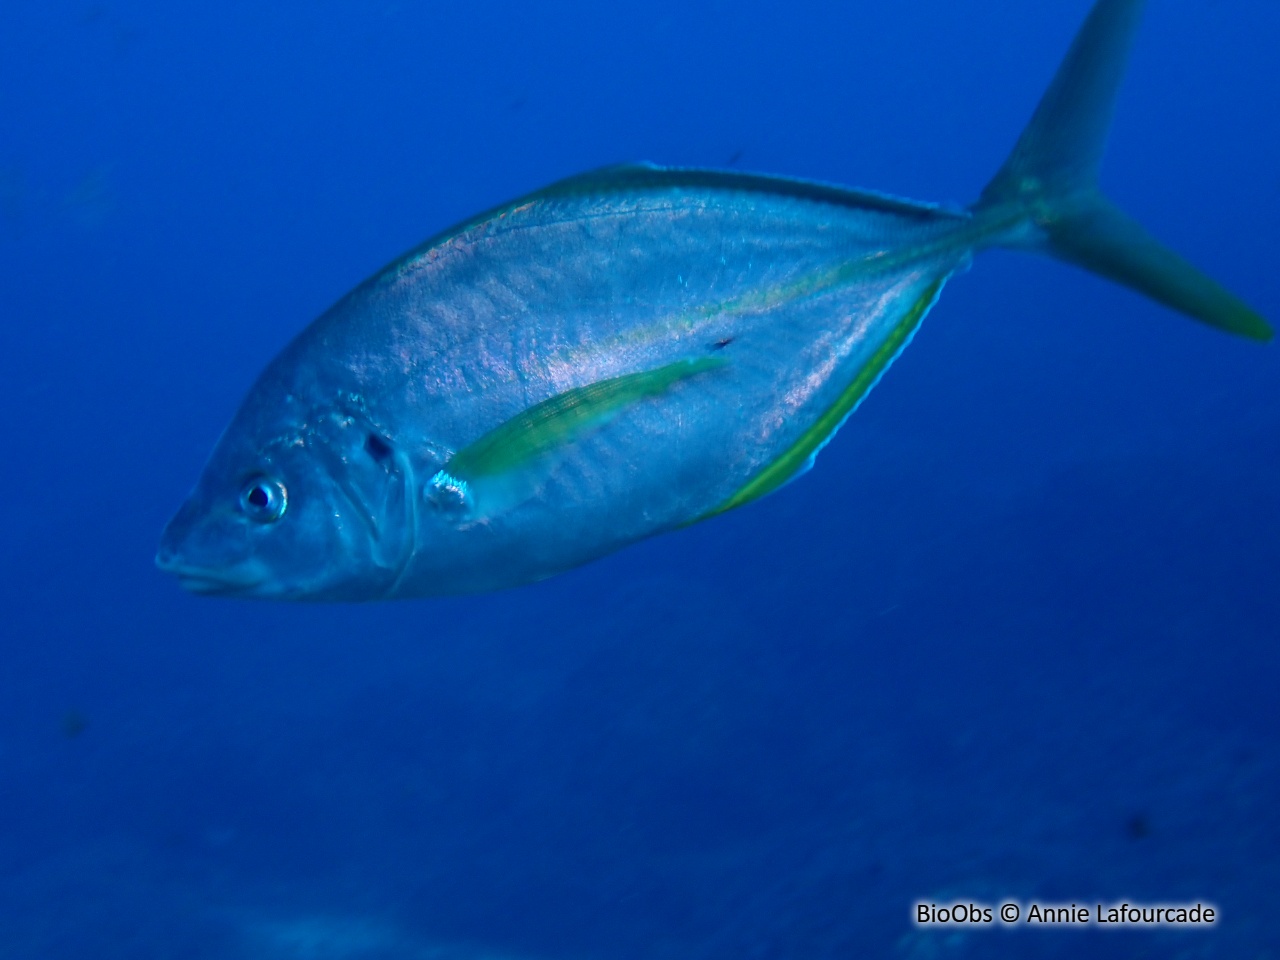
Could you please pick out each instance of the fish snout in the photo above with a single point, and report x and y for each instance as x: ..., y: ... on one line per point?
x: 203, y: 559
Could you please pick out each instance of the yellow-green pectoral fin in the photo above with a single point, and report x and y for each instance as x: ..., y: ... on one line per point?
x: 565, y: 418
x: 800, y: 454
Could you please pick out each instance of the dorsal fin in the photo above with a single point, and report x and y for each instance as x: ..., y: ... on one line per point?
x: 636, y: 176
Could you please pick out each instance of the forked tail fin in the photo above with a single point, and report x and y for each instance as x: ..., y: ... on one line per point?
x: 1049, y: 185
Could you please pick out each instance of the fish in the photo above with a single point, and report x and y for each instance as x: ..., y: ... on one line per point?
x: 624, y: 353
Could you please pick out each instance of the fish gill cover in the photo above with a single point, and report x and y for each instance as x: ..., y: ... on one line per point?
x: 1014, y: 640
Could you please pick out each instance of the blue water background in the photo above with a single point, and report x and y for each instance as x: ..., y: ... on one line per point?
x: 1014, y: 637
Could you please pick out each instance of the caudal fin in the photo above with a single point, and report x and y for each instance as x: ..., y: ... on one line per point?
x: 1049, y: 184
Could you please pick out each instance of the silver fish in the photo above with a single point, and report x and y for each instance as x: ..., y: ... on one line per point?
x: 625, y: 353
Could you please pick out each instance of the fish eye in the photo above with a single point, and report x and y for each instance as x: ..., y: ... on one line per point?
x: 263, y: 499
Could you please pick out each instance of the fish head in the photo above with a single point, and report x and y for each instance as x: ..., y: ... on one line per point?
x: 297, y: 502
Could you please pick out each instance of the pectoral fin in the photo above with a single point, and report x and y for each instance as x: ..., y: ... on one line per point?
x: 553, y: 424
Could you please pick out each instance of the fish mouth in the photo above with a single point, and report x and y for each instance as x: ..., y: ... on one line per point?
x: 211, y: 581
